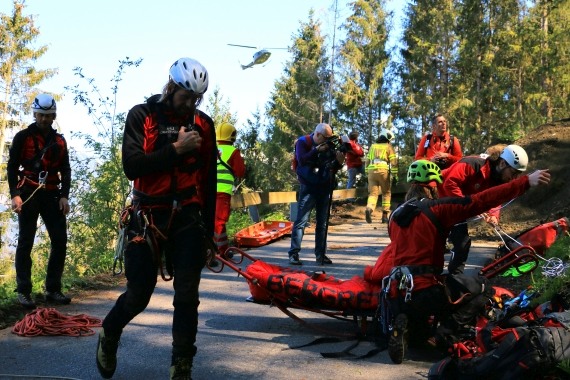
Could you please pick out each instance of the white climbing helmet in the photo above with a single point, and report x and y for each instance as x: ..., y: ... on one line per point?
x: 515, y: 156
x: 190, y: 75
x: 387, y: 134
x: 44, y: 103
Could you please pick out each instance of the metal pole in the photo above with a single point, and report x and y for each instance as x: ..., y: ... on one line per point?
x: 332, y: 62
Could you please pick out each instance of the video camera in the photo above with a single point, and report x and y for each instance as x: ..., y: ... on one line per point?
x: 338, y: 143
x: 335, y: 144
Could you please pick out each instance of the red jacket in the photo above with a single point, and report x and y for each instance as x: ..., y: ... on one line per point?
x: 354, y: 155
x: 421, y: 243
x: 150, y: 160
x: 33, y: 152
x: 439, y: 144
x: 470, y: 175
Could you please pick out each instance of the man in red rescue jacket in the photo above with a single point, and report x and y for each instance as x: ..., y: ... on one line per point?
x: 471, y: 175
x: 169, y: 151
x: 39, y: 176
x: 439, y: 146
x: 418, y: 230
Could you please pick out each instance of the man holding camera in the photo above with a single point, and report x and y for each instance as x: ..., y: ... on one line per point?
x: 318, y: 160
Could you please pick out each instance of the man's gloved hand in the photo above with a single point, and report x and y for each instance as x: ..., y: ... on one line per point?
x: 394, y: 181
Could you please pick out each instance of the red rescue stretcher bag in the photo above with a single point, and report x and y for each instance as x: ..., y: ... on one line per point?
x: 310, y: 289
x: 540, y: 237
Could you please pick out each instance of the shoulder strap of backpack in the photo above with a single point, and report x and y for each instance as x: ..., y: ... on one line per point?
x: 225, y: 164
x: 428, y: 138
x: 424, y: 208
x: 308, y: 140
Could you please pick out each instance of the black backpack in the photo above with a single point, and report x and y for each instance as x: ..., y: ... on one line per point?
x: 526, y: 353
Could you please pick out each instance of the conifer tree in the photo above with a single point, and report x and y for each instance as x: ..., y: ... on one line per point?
x: 362, y: 94
x: 297, y: 102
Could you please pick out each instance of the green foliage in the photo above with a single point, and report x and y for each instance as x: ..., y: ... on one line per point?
x: 7, y: 279
x: 18, y: 78
x: 297, y: 104
x: 547, y: 286
x: 362, y: 95
x: 219, y: 109
x: 99, y: 187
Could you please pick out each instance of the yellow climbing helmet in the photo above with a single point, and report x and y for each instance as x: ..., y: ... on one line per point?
x: 226, y: 132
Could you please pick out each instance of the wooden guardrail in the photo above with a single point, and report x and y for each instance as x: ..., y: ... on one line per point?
x: 252, y: 200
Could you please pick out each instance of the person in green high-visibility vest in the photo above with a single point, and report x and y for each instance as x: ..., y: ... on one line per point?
x: 231, y: 166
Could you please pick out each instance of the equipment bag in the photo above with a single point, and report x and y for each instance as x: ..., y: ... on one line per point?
x: 526, y: 353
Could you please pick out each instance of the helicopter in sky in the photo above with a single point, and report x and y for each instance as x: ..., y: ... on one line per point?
x: 259, y: 57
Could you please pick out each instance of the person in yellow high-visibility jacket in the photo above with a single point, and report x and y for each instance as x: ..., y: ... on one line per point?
x: 231, y: 166
x: 382, y: 169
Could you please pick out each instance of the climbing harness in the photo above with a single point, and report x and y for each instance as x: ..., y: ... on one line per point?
x: 39, y: 185
x: 145, y: 221
x: 48, y: 321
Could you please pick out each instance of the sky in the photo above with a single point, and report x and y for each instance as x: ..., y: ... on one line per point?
x: 96, y: 35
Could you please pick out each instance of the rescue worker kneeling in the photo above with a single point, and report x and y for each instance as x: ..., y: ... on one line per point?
x: 410, y: 268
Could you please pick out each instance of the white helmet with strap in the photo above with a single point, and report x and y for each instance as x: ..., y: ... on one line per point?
x: 386, y: 133
x: 515, y: 156
x: 190, y: 75
x: 44, y: 103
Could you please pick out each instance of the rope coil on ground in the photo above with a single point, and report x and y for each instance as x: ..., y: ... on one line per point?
x: 48, y: 321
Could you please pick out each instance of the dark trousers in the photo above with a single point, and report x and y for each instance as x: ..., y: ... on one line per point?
x: 185, y: 244
x: 311, y: 197
x: 425, y: 303
x: 433, y: 301
x: 459, y: 237
x: 45, y: 204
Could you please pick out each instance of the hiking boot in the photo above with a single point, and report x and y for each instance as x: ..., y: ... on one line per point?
x: 57, y: 297
x: 398, y: 342
x: 26, y: 300
x: 181, y: 369
x: 321, y: 260
x: 368, y: 214
x: 294, y: 260
x: 107, y: 354
x: 384, y: 217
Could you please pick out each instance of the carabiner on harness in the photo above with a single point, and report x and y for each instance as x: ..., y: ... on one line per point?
x: 409, y: 287
x: 42, y: 177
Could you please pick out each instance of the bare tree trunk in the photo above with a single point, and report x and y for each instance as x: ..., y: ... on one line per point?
x: 546, y: 80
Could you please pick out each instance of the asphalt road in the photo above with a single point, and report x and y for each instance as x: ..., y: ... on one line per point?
x: 236, y: 339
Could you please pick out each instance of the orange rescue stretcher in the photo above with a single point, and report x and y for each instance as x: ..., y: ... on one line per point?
x: 353, y: 300
x: 263, y: 233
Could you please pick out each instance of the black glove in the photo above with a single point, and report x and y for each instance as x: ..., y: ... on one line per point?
x: 394, y: 181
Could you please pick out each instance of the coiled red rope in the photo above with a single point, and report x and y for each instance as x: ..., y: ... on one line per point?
x: 49, y: 321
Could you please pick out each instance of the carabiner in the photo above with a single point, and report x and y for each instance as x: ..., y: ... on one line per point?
x: 117, y: 263
x: 42, y: 177
x: 409, y: 287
